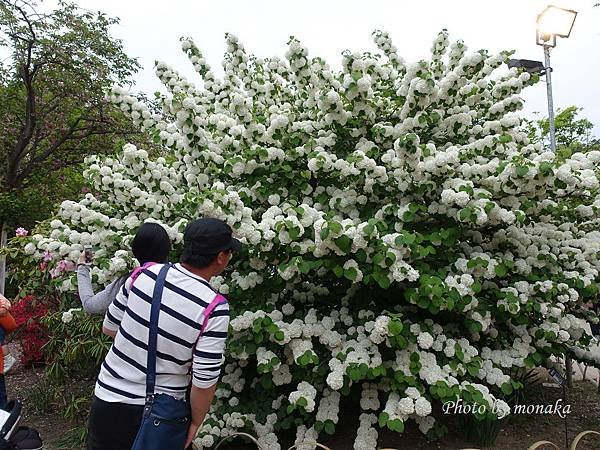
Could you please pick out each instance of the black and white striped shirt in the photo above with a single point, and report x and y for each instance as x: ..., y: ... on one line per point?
x: 122, y: 376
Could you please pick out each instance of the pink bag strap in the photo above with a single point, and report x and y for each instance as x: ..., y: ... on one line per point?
x: 218, y: 300
x: 136, y: 272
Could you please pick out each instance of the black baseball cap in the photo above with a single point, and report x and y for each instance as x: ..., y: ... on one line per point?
x: 210, y: 236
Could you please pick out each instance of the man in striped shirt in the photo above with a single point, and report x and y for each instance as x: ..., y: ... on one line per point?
x: 182, y: 354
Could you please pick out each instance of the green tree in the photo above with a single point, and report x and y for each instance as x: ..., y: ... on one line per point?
x: 573, y: 133
x: 53, y: 109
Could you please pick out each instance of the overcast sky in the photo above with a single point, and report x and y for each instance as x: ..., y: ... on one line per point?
x: 151, y: 29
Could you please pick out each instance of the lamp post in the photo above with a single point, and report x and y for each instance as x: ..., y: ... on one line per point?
x: 552, y: 22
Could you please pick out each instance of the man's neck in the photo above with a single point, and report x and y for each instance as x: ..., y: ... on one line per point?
x: 205, y: 272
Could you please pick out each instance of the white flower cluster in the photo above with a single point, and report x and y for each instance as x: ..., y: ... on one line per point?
x: 306, y: 437
x: 405, y: 407
x: 304, y: 391
x: 366, y: 438
x: 369, y: 399
x: 380, y: 329
x: 67, y: 316
x: 329, y: 406
x: 367, y: 198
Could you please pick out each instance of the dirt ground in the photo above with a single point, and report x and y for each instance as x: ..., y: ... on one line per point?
x: 518, y: 433
x: 51, y: 425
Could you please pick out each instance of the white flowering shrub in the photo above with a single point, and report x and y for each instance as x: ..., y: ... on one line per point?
x: 405, y: 243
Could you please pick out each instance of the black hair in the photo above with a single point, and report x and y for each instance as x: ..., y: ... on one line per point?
x: 151, y: 244
x: 197, y: 260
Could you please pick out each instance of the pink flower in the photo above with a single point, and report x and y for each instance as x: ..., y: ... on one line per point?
x: 21, y: 232
x: 62, y: 266
x: 47, y: 256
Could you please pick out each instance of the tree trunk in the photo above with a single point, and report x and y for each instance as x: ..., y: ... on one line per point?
x: 3, y: 239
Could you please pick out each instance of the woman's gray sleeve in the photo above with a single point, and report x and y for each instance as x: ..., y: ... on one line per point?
x: 94, y: 303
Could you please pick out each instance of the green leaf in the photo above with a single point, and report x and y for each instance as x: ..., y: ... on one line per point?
x: 395, y: 327
x: 344, y: 243
x: 338, y: 271
x: 266, y: 383
x: 294, y: 233
x: 464, y: 214
x: 473, y: 370
x: 350, y: 273
x: 383, y: 418
x: 402, y: 342
x: 361, y: 255
x: 459, y: 352
x: 368, y: 229
x: 378, y: 258
x: 383, y: 281
x: 500, y: 270
x: 335, y: 227
x: 522, y: 171
x: 304, y: 266
x: 410, y: 238
x: 329, y: 427
x: 279, y: 335
x: 546, y: 167
x: 506, y: 388
x: 396, y: 425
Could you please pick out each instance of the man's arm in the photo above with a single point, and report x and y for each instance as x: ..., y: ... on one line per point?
x: 110, y: 333
x: 206, y: 366
x: 200, y: 400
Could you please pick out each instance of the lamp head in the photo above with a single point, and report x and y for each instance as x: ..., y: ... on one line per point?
x: 554, y: 22
x: 527, y: 65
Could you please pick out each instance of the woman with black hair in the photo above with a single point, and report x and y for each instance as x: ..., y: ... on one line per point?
x: 150, y: 244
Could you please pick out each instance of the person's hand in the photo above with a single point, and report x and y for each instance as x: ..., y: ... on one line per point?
x: 81, y: 261
x: 4, y: 305
x: 192, y: 431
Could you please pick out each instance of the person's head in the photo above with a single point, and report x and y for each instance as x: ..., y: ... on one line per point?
x: 151, y: 244
x: 208, y: 244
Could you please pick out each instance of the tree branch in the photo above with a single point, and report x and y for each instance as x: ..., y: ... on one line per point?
x: 27, y: 130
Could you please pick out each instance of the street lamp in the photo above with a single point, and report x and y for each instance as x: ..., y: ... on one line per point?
x: 533, y: 67
x: 553, y: 22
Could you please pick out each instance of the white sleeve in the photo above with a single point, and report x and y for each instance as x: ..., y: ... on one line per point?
x: 208, y: 354
x: 116, y: 309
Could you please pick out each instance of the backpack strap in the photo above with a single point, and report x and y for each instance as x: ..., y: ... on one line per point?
x: 218, y: 300
x: 136, y: 272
